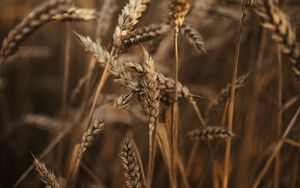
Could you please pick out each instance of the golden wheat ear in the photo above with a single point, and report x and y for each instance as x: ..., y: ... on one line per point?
x: 38, y: 17
x: 210, y: 133
x: 278, y: 23
x: 131, y: 162
x: 47, y: 176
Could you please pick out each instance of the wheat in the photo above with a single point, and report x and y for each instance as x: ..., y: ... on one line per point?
x: 224, y: 96
x: 89, y: 136
x: 38, y: 17
x: 193, y: 36
x: 105, y: 17
x: 210, y: 133
x: 178, y: 10
x: 166, y: 84
x: 47, y: 177
x: 43, y: 122
x: 277, y: 21
x: 124, y: 99
x: 150, y: 89
x: 131, y: 165
x: 76, y: 14
x: 128, y: 19
x: 144, y: 34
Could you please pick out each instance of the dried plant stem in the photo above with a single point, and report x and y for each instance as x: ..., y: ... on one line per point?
x: 66, y: 70
x: 292, y: 143
x: 101, y: 83
x: 151, y: 158
x: 276, y: 149
x: 175, y: 124
x: 279, y: 118
x: 232, y: 99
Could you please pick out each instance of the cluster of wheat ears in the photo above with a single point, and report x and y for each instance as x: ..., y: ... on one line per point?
x: 168, y: 149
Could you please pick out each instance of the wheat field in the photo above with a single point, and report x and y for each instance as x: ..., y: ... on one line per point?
x: 150, y: 94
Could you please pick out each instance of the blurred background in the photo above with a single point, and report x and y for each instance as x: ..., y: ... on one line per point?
x: 32, y: 83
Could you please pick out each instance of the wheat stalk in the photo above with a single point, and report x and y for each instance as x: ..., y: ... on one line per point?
x: 150, y: 98
x: 47, y: 177
x: 210, y: 133
x: 38, y: 17
x: 277, y: 21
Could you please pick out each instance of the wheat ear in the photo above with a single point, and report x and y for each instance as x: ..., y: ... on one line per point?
x: 76, y: 14
x: 277, y: 21
x: 210, y: 133
x: 87, y: 139
x: 144, y: 34
x: 150, y: 98
x: 38, y: 17
x: 194, y: 37
x: 47, y: 177
x: 132, y: 165
x: 128, y: 18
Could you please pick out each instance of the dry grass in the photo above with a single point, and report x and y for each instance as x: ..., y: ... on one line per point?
x: 197, y: 93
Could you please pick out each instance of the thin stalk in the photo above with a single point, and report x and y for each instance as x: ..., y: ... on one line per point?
x: 151, y: 158
x: 232, y: 99
x: 279, y: 118
x: 174, y: 134
x: 102, y: 81
x: 292, y: 143
x: 66, y: 70
x: 276, y: 149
